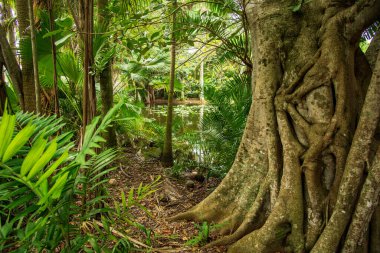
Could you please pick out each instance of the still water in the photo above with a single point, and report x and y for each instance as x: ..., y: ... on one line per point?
x: 187, y: 125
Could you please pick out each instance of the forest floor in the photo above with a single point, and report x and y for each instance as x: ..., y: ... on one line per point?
x: 172, y: 197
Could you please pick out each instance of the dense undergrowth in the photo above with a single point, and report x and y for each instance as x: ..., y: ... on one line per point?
x: 53, y: 195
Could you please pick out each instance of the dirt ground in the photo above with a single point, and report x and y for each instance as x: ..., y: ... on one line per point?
x: 172, y: 197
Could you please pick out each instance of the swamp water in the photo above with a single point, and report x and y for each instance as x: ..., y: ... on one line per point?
x: 187, y: 129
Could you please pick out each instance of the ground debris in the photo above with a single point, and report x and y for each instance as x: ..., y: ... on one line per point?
x: 171, y: 198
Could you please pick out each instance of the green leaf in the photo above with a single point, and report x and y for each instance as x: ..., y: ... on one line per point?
x: 52, y: 33
x: 55, y: 190
x: 33, y: 155
x: 18, y: 142
x: 63, y: 40
x: 45, y: 158
x: 53, y: 167
x: 44, y: 187
x: 155, y: 35
x: 6, y: 130
x: 123, y: 200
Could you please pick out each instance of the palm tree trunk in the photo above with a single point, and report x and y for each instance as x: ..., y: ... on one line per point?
x: 26, y: 65
x: 105, y: 78
x: 54, y: 54
x: 167, y: 154
x: 35, y: 57
x: 89, y: 96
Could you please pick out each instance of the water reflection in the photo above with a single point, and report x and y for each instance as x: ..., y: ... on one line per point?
x: 187, y: 126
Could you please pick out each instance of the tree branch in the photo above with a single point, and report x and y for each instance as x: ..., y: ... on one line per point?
x: 359, y: 16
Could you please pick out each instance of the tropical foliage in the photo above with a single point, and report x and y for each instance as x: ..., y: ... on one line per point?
x: 51, y: 193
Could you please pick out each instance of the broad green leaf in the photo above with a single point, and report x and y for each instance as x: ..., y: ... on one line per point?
x: 6, y: 131
x: 33, y: 156
x: 44, y: 187
x: 45, y: 158
x: 56, y: 189
x: 18, y: 142
x: 63, y: 40
x: 155, y: 35
x: 52, y: 33
x: 56, y: 192
x: 53, y: 167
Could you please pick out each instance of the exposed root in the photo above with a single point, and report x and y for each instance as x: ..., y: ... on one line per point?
x: 267, y: 238
x: 250, y: 221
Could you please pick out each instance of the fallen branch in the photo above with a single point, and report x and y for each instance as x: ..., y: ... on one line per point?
x: 120, y: 234
x: 136, y: 242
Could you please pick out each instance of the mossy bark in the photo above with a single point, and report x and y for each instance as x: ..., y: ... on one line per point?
x: 303, y: 156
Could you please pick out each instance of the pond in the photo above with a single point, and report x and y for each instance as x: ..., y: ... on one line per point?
x: 187, y: 128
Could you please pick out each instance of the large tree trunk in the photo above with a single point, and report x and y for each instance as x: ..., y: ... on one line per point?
x: 26, y: 64
x: 305, y: 154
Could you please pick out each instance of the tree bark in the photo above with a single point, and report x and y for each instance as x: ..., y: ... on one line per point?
x: 12, y: 66
x: 89, y: 93
x: 26, y: 65
x: 105, y: 77
x: 54, y: 57
x: 3, y: 93
x: 301, y: 163
x: 167, y: 153
x: 35, y: 57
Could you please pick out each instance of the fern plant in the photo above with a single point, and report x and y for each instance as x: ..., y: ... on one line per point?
x: 42, y: 179
x: 223, y: 124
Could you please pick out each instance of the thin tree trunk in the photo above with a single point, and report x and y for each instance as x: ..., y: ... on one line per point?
x: 7, y: 16
x: 54, y: 58
x: 3, y: 93
x: 201, y: 81
x: 35, y: 57
x: 91, y: 76
x: 105, y: 77
x: 12, y: 66
x: 89, y: 99
x: 26, y: 65
x: 167, y: 154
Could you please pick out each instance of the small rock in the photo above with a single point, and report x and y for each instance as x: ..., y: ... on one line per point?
x: 112, y: 181
x: 190, y: 184
x: 195, y: 175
